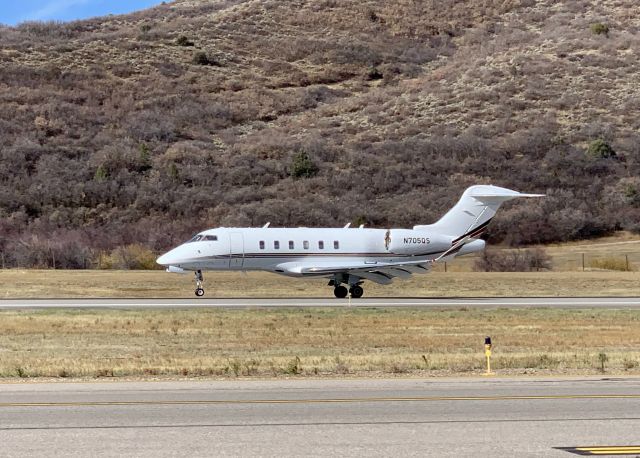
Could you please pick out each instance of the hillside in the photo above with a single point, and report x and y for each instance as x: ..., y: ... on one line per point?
x: 145, y: 127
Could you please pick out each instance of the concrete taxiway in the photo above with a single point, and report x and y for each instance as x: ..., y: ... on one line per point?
x: 388, y: 417
x: 478, y: 302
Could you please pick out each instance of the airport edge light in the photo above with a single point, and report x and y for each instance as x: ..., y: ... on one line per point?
x: 487, y: 352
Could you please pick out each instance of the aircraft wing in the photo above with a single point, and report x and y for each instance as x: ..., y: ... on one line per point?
x: 378, y: 272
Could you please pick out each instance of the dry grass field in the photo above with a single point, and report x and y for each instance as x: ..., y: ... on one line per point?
x: 321, y: 342
x: 92, y: 283
x: 314, y: 342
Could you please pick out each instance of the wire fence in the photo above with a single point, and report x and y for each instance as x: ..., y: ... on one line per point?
x: 563, y: 261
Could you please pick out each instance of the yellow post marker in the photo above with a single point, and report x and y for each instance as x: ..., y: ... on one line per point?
x: 487, y: 352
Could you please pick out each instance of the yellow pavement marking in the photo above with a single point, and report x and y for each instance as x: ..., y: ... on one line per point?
x: 607, y: 450
x: 318, y: 401
x: 631, y: 451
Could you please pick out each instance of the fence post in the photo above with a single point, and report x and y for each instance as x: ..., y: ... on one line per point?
x: 626, y: 261
x: 583, y: 262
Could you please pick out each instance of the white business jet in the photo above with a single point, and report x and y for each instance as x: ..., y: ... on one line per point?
x: 346, y: 256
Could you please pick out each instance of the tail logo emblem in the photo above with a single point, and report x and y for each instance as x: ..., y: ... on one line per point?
x: 387, y: 239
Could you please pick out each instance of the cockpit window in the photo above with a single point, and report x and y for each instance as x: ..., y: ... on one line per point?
x: 202, y: 238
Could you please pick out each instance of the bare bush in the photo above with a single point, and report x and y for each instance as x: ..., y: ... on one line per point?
x: 524, y: 260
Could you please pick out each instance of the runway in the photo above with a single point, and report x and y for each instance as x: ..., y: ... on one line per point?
x: 388, y: 417
x: 478, y: 302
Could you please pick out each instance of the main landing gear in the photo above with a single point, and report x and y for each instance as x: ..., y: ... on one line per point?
x: 341, y: 292
x: 199, y: 288
x: 356, y: 291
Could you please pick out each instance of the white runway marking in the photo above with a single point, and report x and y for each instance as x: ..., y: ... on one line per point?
x: 528, y: 302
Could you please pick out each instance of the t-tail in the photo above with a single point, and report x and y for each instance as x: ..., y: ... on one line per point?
x: 474, y: 211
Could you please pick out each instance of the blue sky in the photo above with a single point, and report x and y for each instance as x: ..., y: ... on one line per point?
x: 13, y: 12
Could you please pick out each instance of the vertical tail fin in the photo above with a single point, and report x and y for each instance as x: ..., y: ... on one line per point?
x: 472, y: 214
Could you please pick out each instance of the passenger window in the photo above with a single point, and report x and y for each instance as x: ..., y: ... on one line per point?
x: 276, y: 245
x: 211, y: 238
x: 321, y: 245
x: 336, y: 244
x: 305, y: 244
x: 262, y: 244
x: 291, y: 244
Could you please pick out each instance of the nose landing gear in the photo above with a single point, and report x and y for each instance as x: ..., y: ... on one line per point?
x: 199, y: 279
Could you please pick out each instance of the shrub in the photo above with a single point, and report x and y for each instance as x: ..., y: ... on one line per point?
x: 600, y: 149
x: 201, y: 58
x: 184, y: 41
x: 101, y: 173
x: 632, y: 195
x: 359, y: 220
x: 144, y: 28
x: 302, y: 166
x: 374, y: 74
x: 603, y: 358
x: 528, y: 260
x: 104, y: 372
x: 129, y: 257
x: 293, y: 366
x: 599, y: 28
x: 144, y: 158
x: 174, y: 173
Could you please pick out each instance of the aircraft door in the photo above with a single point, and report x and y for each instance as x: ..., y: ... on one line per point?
x: 236, y: 252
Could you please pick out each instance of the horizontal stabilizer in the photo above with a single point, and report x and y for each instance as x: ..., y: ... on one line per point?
x: 495, y: 193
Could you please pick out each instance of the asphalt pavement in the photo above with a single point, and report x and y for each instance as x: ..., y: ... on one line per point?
x: 387, y: 417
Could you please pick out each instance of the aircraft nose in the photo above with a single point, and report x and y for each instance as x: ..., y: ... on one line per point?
x: 167, y: 259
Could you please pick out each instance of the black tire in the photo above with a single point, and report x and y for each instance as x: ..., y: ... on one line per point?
x: 356, y: 292
x: 340, y: 292
x: 199, y: 292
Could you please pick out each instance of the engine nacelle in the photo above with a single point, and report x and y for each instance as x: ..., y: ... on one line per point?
x: 407, y: 241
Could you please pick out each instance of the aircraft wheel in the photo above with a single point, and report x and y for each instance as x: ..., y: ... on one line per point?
x: 199, y: 292
x: 340, y: 292
x: 356, y: 291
